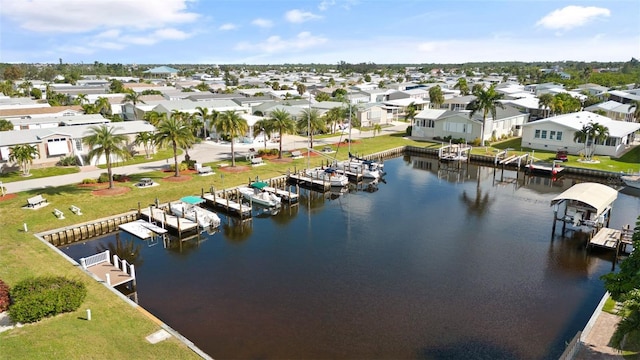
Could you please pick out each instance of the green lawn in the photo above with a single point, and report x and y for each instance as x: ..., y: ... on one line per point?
x: 139, y: 159
x: 38, y: 173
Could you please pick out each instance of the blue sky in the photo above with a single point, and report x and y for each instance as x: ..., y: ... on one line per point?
x: 317, y: 31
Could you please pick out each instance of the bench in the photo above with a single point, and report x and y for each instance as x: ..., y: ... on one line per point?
x: 203, y: 170
x: 36, y: 200
x: 59, y: 214
x: 76, y: 210
x: 296, y: 154
x: 257, y: 161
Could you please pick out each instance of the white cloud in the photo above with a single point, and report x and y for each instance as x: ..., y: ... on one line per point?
x: 298, y: 16
x: 227, y: 27
x: 325, y: 4
x: 170, y: 34
x: 273, y: 44
x: 263, y: 23
x: 78, y: 16
x: 109, y: 34
x: 572, y: 16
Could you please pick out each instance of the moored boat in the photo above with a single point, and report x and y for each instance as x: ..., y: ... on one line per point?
x: 631, y: 180
x: 256, y: 195
x: 330, y: 175
x: 188, y: 208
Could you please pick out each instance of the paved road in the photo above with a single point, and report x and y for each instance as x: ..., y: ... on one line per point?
x: 204, y: 152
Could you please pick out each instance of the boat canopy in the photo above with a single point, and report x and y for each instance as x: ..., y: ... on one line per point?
x: 193, y: 200
x: 259, y: 185
x: 597, y: 196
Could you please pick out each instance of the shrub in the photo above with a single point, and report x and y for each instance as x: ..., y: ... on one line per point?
x: 4, y: 297
x: 37, y: 298
x: 409, y: 130
x: 68, y: 161
x: 103, y: 178
x: 191, y: 164
x: 89, y: 181
x: 120, y: 178
x: 182, y: 167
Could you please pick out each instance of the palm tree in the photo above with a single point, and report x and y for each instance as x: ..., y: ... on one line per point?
x: 301, y: 88
x: 582, y: 136
x: 82, y: 98
x: 266, y: 129
x: 24, y: 154
x: 333, y: 117
x: 376, y: 129
x: 103, y: 106
x: 486, y: 102
x: 176, y: 133
x: 635, y: 105
x: 104, y: 141
x: 411, y: 112
x: 145, y: 138
x: 281, y: 121
x: 599, y: 134
x: 204, y: 116
x: 5, y: 125
x: 462, y: 85
x: 545, y: 101
x: 630, y: 318
x: 154, y: 117
x: 310, y: 122
x: 232, y: 124
x: 436, y: 97
x: 134, y: 98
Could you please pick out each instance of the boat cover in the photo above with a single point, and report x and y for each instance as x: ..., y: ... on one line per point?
x: 193, y: 200
x: 597, y: 196
x: 259, y: 185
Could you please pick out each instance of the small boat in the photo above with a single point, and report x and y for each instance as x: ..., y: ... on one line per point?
x: 367, y: 170
x: 189, y: 209
x: 631, y: 180
x: 329, y: 174
x: 375, y: 164
x: 255, y: 194
x: 544, y: 168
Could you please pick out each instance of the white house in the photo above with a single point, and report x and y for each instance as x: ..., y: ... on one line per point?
x: 558, y: 132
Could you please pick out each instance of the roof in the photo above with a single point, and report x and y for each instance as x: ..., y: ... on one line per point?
x: 596, y: 196
x: 577, y: 120
x: 430, y: 113
x: 39, y: 110
x: 162, y: 70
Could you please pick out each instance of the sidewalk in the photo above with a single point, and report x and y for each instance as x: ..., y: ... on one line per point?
x: 206, y: 151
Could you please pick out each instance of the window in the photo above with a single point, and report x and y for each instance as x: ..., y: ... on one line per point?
x: 544, y: 134
x: 537, y: 135
x: 79, y: 144
x: 431, y: 123
x: 559, y: 135
x: 552, y: 134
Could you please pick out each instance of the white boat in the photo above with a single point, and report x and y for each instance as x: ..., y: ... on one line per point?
x: 330, y: 175
x: 191, y: 211
x: 261, y: 197
x: 631, y: 180
x: 367, y: 170
x: 375, y: 164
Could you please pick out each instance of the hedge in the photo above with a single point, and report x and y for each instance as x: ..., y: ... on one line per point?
x: 37, y: 298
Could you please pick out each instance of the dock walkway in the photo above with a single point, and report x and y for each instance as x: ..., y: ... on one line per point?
x: 111, y: 270
x: 228, y: 205
x: 168, y: 221
x: 142, y: 229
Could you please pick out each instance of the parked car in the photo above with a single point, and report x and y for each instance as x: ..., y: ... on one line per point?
x: 562, y: 155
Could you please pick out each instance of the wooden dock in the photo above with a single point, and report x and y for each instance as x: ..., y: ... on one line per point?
x: 229, y: 206
x: 454, y: 152
x: 165, y: 220
x: 111, y: 270
x: 352, y: 176
x: 309, y: 182
x: 606, y: 238
x: 286, y: 196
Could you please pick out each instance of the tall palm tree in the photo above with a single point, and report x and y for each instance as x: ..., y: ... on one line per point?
x: 24, y: 154
x: 333, y: 117
x: 232, y: 124
x: 133, y: 98
x: 103, y: 106
x: 301, y: 88
x: 145, y: 139
x: 599, y: 134
x: 104, y: 141
x: 436, y: 97
x: 205, y: 116
x: 266, y: 129
x: 635, y: 105
x: 486, y: 102
x: 411, y: 112
x: 175, y: 133
x: 310, y: 122
x: 82, y: 98
x: 462, y: 85
x: 544, y: 102
x: 582, y: 136
x: 282, y: 122
x: 154, y: 117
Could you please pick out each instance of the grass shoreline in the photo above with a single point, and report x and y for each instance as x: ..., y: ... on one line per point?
x: 117, y: 328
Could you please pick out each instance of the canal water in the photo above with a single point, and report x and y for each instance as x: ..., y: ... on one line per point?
x: 438, y: 263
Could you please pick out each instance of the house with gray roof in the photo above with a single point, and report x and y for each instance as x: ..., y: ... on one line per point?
x: 161, y: 72
x: 613, y: 110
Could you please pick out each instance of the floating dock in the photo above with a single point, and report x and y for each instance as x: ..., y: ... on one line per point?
x: 142, y: 229
x: 165, y: 220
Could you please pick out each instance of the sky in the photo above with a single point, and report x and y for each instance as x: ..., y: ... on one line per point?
x: 317, y: 31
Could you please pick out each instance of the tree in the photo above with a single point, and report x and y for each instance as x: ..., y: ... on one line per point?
x: 310, y: 122
x: 281, y: 120
x: 203, y: 87
x: 486, y: 102
x: 5, y: 125
x: 322, y: 96
x: 599, y: 134
x: 154, y: 117
x: 175, y: 133
x: 436, y: 97
x: 134, y: 98
x: 333, y: 117
x: 377, y: 129
x: 13, y: 72
x: 635, y: 106
x: 232, y: 124
x: 104, y: 141
x: 367, y: 78
x: 462, y: 85
x: 301, y: 88
x: 145, y: 139
x: 116, y: 86
x: 411, y: 112
x: 36, y: 93
x: 205, y: 117
x: 23, y: 154
x: 82, y: 98
x: 103, y: 106
x: 544, y: 102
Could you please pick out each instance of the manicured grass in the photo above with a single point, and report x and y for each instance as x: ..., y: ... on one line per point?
x: 139, y: 159
x: 38, y: 173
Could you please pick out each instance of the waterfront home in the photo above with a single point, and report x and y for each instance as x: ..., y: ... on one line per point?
x: 40, y: 112
x: 557, y: 132
x: 441, y: 123
x: 613, y: 110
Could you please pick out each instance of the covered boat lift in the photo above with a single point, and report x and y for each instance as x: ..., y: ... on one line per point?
x: 586, y: 204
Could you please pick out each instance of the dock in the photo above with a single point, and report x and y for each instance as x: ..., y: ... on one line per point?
x: 309, y: 182
x: 454, y: 152
x: 606, y: 238
x: 286, y: 196
x: 142, y: 229
x: 165, y: 220
x: 229, y: 206
x: 352, y: 176
x: 112, y: 270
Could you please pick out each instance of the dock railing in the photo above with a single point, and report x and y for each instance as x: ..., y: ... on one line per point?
x: 95, y: 259
x: 104, y: 257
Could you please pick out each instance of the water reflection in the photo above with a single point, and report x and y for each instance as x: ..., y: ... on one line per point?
x: 237, y: 230
x: 127, y: 249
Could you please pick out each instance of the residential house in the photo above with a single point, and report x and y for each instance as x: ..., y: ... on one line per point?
x: 161, y: 72
x: 40, y: 112
x: 530, y: 105
x: 622, y: 96
x: 371, y: 114
x: 613, y: 110
x: 457, y: 103
x: 558, y: 132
